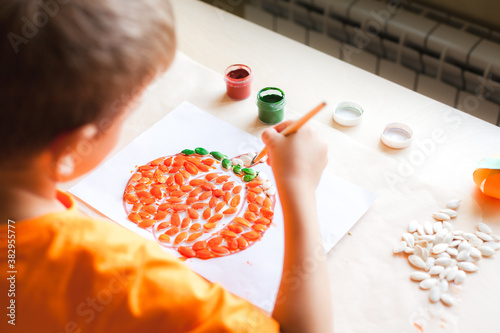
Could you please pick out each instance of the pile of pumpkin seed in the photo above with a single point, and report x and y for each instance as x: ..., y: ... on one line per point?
x: 442, y: 255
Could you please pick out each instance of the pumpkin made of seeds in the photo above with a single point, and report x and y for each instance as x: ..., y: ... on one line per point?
x: 201, y: 203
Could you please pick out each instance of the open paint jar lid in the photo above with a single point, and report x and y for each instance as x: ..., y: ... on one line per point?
x: 348, y: 113
x: 397, y: 135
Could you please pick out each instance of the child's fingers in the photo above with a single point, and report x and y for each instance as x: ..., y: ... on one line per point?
x: 281, y: 126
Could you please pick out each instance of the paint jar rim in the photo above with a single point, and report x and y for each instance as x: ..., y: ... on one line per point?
x: 399, y: 128
x: 267, y: 106
x: 348, y: 121
x: 238, y: 82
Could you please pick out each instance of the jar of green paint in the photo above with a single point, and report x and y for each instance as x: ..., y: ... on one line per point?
x: 271, y: 103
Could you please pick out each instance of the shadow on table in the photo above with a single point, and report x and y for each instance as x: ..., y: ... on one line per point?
x: 490, y: 207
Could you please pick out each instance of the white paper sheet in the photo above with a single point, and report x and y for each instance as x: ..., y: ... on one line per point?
x: 255, y: 272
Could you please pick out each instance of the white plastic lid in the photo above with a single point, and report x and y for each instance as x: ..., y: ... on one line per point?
x: 348, y: 113
x: 397, y: 135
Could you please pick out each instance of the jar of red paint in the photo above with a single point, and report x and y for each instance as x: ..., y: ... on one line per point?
x: 238, y: 79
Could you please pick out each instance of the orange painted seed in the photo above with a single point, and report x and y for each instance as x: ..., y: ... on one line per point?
x: 235, y: 201
x: 217, y: 193
x: 237, y: 189
x: 175, y: 219
x: 263, y: 220
x: 172, y: 231
x: 174, y: 170
x: 259, y: 227
x: 267, y: 203
x: 135, y: 177
x: 259, y: 200
x: 180, y: 207
x: 232, y: 244
x: 208, y: 186
x: 242, y: 221
x: 168, y: 162
x: 205, y: 195
x: 199, y: 245
x: 131, y: 198
x: 186, y: 188
x: 180, y: 238
x: 208, y: 161
x: 211, y: 176
x: 164, y: 238
x: 148, y: 201
x: 187, y: 252
x: 160, y: 215
x: 145, y: 215
x: 230, y: 211
x: 220, y: 250
x: 254, y: 183
x: 228, y: 186
x: 203, y: 167
x: 134, y: 217
x: 227, y: 233
x: 185, y: 174
x: 174, y: 200
x: 149, y: 209
x: 213, y: 202
x: 178, y: 194
x: 173, y: 188
x: 195, y: 227
x: 256, y: 190
x: 199, y: 205
x: 192, y: 200
x: 242, y: 243
x: 251, y: 197
x: 185, y: 223
x: 204, y: 254
x: 193, y: 214
x: 222, y: 179
x: 137, y: 206
x: 164, y: 206
x: 209, y: 226
x: 144, y: 194
x: 146, y: 223
x: 251, y: 235
x: 207, y: 212
x: 196, y: 182
x: 194, y: 236
x: 215, y: 218
x: 250, y: 216
x: 253, y: 208
x: 191, y: 168
x: 140, y: 187
x: 227, y: 197
x: 163, y: 225
x: 179, y: 178
x: 216, y: 241
x: 266, y: 212
x: 195, y: 192
x: 219, y: 206
x: 235, y: 228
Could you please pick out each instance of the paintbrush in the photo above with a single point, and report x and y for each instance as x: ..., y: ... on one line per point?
x: 292, y: 128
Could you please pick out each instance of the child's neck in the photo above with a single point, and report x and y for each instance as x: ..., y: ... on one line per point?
x: 27, y: 193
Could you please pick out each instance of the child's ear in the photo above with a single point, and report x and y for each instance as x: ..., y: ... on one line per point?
x: 70, y: 149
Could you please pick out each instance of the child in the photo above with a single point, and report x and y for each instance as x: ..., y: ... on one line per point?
x: 70, y: 73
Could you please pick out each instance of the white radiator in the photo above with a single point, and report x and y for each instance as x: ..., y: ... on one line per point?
x: 459, y: 59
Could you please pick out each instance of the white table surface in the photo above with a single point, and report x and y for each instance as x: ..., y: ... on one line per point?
x: 371, y: 288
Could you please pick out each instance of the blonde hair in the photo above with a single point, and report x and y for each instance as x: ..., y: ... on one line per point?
x: 66, y: 63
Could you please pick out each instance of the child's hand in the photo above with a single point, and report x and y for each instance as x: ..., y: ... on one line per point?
x: 297, y: 158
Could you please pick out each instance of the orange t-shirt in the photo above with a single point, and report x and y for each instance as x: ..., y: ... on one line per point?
x: 79, y: 274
